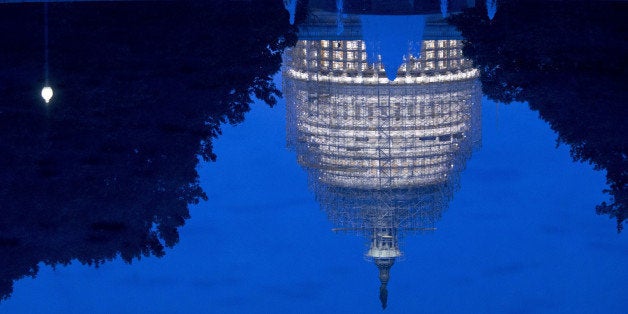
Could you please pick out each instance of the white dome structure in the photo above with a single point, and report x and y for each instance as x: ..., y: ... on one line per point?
x: 383, y: 157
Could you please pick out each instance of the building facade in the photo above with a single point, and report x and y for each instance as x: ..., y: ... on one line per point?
x: 383, y: 156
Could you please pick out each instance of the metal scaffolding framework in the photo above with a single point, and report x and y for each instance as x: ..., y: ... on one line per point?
x: 383, y: 152
x: 380, y: 154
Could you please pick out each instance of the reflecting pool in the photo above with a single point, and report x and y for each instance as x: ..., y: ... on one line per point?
x: 313, y: 156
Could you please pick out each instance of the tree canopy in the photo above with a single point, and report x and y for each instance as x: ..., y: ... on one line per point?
x: 108, y: 168
x: 568, y: 61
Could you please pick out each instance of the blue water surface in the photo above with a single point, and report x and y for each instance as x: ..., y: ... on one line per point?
x: 520, y: 236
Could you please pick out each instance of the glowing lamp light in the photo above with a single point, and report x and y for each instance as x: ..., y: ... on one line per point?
x: 46, y: 93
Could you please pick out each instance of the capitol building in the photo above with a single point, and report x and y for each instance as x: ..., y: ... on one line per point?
x: 383, y: 146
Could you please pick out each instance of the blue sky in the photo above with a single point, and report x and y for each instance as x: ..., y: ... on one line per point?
x: 520, y: 236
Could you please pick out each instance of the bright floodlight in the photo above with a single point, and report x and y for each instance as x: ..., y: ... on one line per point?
x: 46, y: 93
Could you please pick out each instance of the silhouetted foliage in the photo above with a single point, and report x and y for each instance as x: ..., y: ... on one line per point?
x: 108, y: 169
x: 568, y: 61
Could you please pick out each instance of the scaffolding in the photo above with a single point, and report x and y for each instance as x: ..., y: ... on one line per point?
x: 383, y: 156
x: 379, y: 153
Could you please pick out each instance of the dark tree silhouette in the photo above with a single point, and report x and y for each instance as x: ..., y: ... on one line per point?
x: 108, y: 169
x: 568, y: 61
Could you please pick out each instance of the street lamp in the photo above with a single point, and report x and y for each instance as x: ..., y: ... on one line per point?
x: 46, y: 93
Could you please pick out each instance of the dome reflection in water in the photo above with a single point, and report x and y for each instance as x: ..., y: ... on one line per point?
x: 383, y: 156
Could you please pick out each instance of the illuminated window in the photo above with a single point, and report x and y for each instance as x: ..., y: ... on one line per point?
x: 429, y: 44
x: 363, y: 66
x: 441, y: 64
x: 350, y: 55
x: 454, y: 53
x: 337, y: 65
x: 352, y: 44
x: 351, y: 65
x: 325, y: 43
x: 453, y: 43
x: 363, y: 56
x: 325, y: 64
x: 337, y: 44
x: 429, y: 55
x: 325, y: 54
x: 363, y: 45
x: 429, y: 65
x: 441, y: 54
x: 441, y: 43
x: 314, y: 63
x: 338, y: 55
